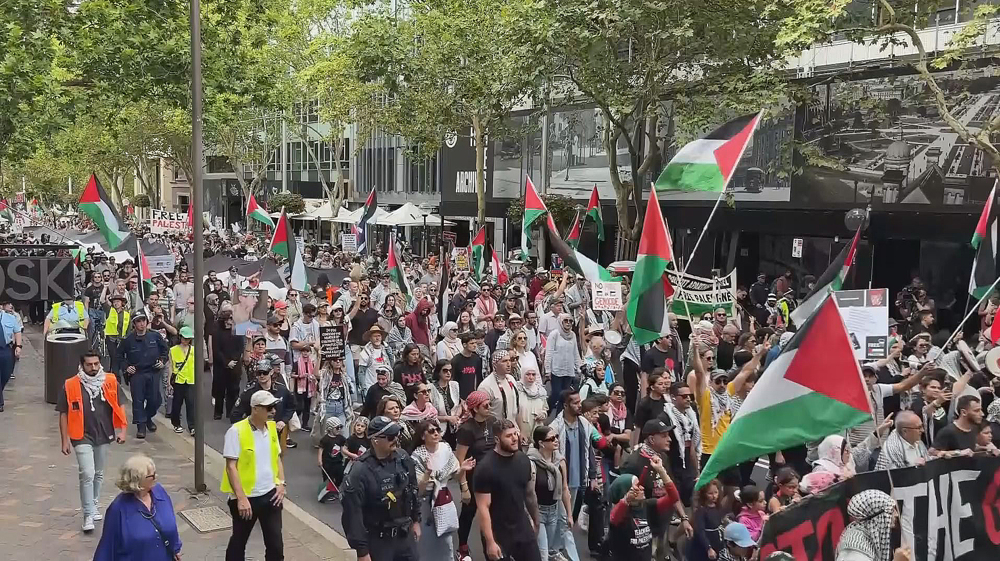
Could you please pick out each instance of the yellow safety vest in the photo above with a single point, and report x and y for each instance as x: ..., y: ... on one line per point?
x: 111, y: 326
x: 246, y: 465
x: 178, y: 356
x: 80, y: 313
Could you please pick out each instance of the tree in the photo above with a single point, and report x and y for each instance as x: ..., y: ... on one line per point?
x: 291, y: 202
x: 448, y: 66
x: 629, y: 57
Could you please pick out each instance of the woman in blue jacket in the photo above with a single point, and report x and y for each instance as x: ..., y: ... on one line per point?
x: 139, y: 524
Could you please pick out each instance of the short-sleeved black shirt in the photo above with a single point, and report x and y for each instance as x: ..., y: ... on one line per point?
x: 98, y: 426
x: 468, y: 372
x: 477, y: 436
x: 953, y: 438
x: 506, y: 479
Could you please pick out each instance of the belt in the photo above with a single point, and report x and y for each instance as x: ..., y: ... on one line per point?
x: 398, y: 531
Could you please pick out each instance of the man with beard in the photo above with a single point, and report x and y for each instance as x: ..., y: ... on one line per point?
x: 420, y: 325
x: 685, y: 450
x: 506, y: 500
x: 485, y: 307
x: 727, y: 346
x: 922, y: 322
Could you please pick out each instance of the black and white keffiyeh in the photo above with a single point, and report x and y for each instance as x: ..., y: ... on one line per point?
x: 893, y: 454
x: 94, y: 385
x: 869, y: 534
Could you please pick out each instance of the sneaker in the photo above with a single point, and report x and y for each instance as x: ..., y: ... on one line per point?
x: 178, y: 430
x: 191, y: 431
x: 151, y: 426
x: 140, y: 432
x: 291, y: 444
x: 98, y: 516
x: 88, y: 523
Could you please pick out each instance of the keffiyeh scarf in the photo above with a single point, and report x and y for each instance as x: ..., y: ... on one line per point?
x: 869, y: 534
x: 721, y: 403
x: 94, y: 385
x: 893, y: 453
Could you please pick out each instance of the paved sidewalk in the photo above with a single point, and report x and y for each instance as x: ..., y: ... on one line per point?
x: 39, y: 500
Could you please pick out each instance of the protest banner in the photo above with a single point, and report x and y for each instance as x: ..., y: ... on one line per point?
x: 607, y: 295
x: 349, y: 243
x: 161, y: 222
x: 250, y: 310
x: 866, y: 315
x: 949, y: 509
x: 160, y: 264
x: 462, y: 258
x: 332, y: 343
x: 699, y: 295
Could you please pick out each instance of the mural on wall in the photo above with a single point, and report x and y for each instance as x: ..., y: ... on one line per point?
x: 883, y: 140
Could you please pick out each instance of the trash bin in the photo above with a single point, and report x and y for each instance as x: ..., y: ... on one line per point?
x: 63, y: 350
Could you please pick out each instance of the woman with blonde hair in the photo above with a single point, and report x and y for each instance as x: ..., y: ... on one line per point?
x: 139, y: 524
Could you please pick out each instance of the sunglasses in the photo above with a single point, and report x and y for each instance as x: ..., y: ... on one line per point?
x: 386, y: 437
x: 551, y: 438
x: 618, y: 392
x: 446, y: 370
x: 424, y: 391
x: 151, y: 476
x: 434, y: 430
x: 685, y: 395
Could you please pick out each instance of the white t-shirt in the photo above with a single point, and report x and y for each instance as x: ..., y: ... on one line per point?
x: 262, y: 457
x: 303, y: 333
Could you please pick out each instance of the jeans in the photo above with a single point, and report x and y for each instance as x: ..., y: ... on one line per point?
x: 559, y: 384
x: 183, y: 394
x: 270, y: 528
x: 96, y: 326
x: 430, y: 545
x: 6, y: 368
x: 90, y: 460
x: 145, y: 396
x: 554, y: 533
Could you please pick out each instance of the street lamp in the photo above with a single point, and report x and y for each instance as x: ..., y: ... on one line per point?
x: 427, y: 208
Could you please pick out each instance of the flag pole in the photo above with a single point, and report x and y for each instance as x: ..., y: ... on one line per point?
x: 972, y: 274
x: 721, y: 194
x: 989, y: 291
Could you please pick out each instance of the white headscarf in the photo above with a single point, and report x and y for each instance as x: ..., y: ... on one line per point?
x: 831, y: 457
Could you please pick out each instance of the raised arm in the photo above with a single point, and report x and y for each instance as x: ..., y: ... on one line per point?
x: 750, y: 367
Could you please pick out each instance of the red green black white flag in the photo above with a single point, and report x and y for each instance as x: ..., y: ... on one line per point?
x: 371, y: 204
x: 479, y: 254
x: 283, y: 244
x: 831, y: 280
x: 396, y: 273
x: 534, y: 207
x: 594, y: 213
x: 984, y: 240
x: 95, y: 203
x: 258, y: 213
x: 573, y: 238
x: 648, y: 299
x: 707, y: 164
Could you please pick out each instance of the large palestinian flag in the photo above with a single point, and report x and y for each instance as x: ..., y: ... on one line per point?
x: 648, y: 299
x: 95, y: 203
x: 573, y: 238
x: 594, y: 213
x: 832, y: 279
x: 396, y: 273
x: 479, y: 254
x: 811, y: 390
x: 283, y: 244
x: 984, y: 240
x: 576, y: 261
x: 534, y: 207
x: 371, y: 203
x: 499, y: 273
x: 707, y: 164
x: 258, y: 212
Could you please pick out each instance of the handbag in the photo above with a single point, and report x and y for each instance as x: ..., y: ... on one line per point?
x: 445, y: 513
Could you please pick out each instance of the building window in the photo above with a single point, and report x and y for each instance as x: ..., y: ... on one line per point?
x: 183, y: 201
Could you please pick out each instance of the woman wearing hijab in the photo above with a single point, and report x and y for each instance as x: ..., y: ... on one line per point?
x: 562, y: 359
x: 449, y: 346
x: 868, y: 537
x: 534, y: 409
x: 399, y: 337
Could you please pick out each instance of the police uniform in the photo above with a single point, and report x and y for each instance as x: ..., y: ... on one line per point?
x: 380, y: 501
x: 143, y: 352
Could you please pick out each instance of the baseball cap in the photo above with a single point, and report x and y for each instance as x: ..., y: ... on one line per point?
x: 718, y: 372
x: 262, y: 398
x: 274, y: 320
x: 382, y: 426
x: 654, y: 426
x: 186, y: 332
x: 280, y: 305
x: 739, y: 535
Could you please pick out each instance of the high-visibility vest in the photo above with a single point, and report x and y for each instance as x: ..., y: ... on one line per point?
x: 246, y: 465
x: 111, y: 325
x: 74, y: 399
x: 80, y: 313
x: 178, y: 357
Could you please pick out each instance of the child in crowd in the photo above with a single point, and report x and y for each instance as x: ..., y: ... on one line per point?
x: 753, y: 512
x: 786, y: 483
x: 357, y: 443
x: 709, y: 521
x: 330, y: 458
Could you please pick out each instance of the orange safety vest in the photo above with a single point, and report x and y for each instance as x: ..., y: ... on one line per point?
x: 74, y: 399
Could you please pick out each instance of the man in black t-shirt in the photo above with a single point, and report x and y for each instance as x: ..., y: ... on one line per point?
x: 467, y: 366
x: 658, y: 356
x: 505, y: 488
x: 959, y: 438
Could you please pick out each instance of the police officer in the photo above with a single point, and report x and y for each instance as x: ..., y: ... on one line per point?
x: 142, y: 354
x: 69, y: 310
x: 381, y: 513
x: 10, y: 348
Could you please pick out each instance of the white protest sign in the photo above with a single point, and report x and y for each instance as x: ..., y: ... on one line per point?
x: 161, y: 222
x: 349, y: 242
x: 607, y: 296
x: 866, y: 315
x: 797, y: 247
x: 236, y: 227
x: 301, y: 243
x: 161, y: 263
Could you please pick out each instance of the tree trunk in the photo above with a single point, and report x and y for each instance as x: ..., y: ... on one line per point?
x: 477, y: 126
x: 338, y: 187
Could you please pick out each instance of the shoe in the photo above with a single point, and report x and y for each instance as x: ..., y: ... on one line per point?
x: 1, y: 408
x: 88, y: 523
x: 140, y: 432
x: 98, y: 516
x: 178, y: 430
x: 151, y: 426
x: 192, y: 432
x: 217, y: 417
x: 291, y: 444
x: 13, y: 377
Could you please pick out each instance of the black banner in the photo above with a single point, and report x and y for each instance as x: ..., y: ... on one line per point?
x: 949, y: 509
x: 332, y: 343
x: 24, y: 279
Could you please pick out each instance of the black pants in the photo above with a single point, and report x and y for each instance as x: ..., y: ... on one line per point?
x: 36, y: 312
x: 746, y: 472
x: 183, y: 393
x: 399, y: 548
x: 270, y: 527
x: 225, y: 390
x: 520, y: 550
x: 630, y: 376
x: 465, y: 519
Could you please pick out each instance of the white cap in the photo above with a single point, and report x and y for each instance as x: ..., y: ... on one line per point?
x: 262, y: 398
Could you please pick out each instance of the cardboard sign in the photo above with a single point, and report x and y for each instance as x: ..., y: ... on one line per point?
x: 349, y: 242
x: 607, y: 296
x: 866, y: 315
x: 161, y: 263
x: 332, y: 343
x: 300, y: 242
x: 462, y: 258
x: 161, y: 222
x: 797, y: 248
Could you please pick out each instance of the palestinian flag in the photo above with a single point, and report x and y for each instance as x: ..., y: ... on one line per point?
x: 145, y: 276
x: 533, y: 208
x: 479, y: 254
x: 362, y: 227
x: 444, y: 295
x: 79, y: 256
x: 5, y: 212
x: 650, y: 291
x: 573, y: 238
x: 396, y: 272
x: 95, y: 203
x: 191, y: 215
x: 832, y: 279
x: 811, y: 390
x: 984, y: 268
x: 594, y: 213
x: 707, y: 164
x: 283, y: 244
x: 258, y: 212
x: 499, y: 273
x: 576, y: 261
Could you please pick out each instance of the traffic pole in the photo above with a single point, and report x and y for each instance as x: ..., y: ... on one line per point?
x: 201, y: 393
